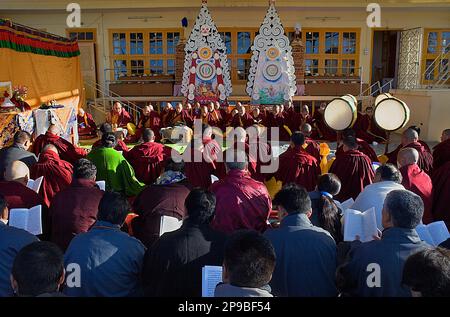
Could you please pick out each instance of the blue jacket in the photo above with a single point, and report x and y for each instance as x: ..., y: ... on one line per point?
x: 110, y: 262
x: 306, y: 259
x: 359, y: 272
x: 12, y: 240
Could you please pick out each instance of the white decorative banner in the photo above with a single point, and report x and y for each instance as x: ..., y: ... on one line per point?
x: 271, y: 77
x: 206, y: 74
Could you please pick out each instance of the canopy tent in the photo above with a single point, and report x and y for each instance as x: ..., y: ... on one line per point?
x: 48, y: 65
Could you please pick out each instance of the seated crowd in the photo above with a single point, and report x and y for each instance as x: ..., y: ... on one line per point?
x: 289, y: 244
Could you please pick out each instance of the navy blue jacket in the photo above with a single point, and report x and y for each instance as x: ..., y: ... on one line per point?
x: 390, y: 253
x: 306, y: 259
x: 110, y: 262
x: 12, y: 240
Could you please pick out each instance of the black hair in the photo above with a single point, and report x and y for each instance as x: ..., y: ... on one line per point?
x: 200, y: 206
x: 113, y: 208
x: 350, y: 141
x: 84, y: 169
x: 109, y: 139
x: 38, y: 268
x: 389, y: 172
x: 171, y: 165
x: 293, y: 198
x: 348, y: 132
x: 236, y: 160
x: 249, y: 259
x: 3, y: 203
x: 329, y: 183
x: 428, y: 272
x: 298, y: 138
x: 148, y: 135
x: 105, y: 128
x: 405, y: 208
x: 328, y: 211
x: 20, y: 137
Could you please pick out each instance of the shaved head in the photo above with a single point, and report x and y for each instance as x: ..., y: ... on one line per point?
x: 49, y: 147
x: 306, y: 129
x: 407, y: 156
x: 445, y: 135
x: 53, y: 129
x: 17, y: 171
x: 409, y: 136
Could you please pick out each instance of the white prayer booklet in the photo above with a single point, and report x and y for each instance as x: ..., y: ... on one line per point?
x: 433, y: 233
x: 101, y: 185
x: 169, y: 224
x: 214, y: 179
x: 363, y: 224
x: 346, y: 204
x: 35, y: 184
x: 27, y: 219
x: 211, y: 276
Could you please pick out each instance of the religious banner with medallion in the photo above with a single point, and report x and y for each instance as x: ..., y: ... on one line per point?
x: 206, y: 74
x: 271, y: 77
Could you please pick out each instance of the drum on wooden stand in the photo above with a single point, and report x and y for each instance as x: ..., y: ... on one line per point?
x: 340, y: 113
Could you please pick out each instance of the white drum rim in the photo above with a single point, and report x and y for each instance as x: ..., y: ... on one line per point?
x: 353, y: 111
x: 388, y: 95
x: 405, y: 107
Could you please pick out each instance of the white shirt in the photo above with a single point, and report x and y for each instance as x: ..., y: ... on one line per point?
x: 373, y: 196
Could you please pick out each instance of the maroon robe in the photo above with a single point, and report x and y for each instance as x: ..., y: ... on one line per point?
x: 441, y: 154
x: 362, y: 126
x: 243, y: 121
x: 294, y: 119
x: 147, y: 160
x: 122, y: 119
x: 152, y: 121
x: 354, y: 169
x: 214, y: 119
x: 264, y: 153
x: 67, y: 151
x: 425, y: 158
x: 120, y: 146
x: 261, y: 119
x: 324, y: 131
x: 225, y: 115
x: 379, y: 134
x: 198, y: 173
x: 313, y: 148
x: 241, y: 203
x: 165, y: 117
x: 417, y: 181
x: 74, y: 210
x: 441, y: 194
x: 299, y: 167
x: 156, y: 201
x: 57, y: 175
x: 87, y: 129
x: 183, y: 116
x: 279, y: 121
x: 18, y: 195
x: 363, y: 147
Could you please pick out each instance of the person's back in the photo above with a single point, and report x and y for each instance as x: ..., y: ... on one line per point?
x: 74, y: 210
x: 17, y: 152
x: 110, y: 260
x: 173, y: 266
x: 306, y: 254
x: 113, y: 168
x: 12, y: 240
x: 387, y: 179
x: 242, y: 202
x: 381, y: 261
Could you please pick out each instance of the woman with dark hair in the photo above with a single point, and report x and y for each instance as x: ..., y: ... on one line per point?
x: 326, y: 213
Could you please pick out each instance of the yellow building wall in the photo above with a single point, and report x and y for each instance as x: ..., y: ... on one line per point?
x: 237, y: 16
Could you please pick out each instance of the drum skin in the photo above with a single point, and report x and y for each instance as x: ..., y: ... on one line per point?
x: 391, y: 114
x: 381, y: 97
x: 341, y: 113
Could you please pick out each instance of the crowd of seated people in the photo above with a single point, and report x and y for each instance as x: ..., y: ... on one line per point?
x: 285, y: 244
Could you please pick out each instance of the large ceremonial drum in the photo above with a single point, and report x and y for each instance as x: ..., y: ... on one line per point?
x: 381, y: 97
x: 340, y: 113
x: 391, y: 114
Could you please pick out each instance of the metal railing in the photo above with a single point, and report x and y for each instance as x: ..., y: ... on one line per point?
x: 441, y: 64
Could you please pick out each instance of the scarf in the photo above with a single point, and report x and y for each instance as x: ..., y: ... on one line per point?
x: 170, y: 177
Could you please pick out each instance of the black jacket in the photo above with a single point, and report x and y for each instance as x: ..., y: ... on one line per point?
x: 173, y: 266
x: 15, y: 153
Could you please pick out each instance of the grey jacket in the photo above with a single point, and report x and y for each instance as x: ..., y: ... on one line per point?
x: 15, y: 153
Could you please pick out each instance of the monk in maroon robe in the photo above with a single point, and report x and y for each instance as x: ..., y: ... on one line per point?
x: 441, y: 152
x: 118, y: 117
x: 149, y: 119
x: 277, y: 120
x: 68, y: 151
x: 353, y: 168
x: 441, y: 180
x: 294, y: 119
x: 166, y: 115
x: 298, y: 166
x: 107, y: 128
x: 87, y: 129
x: 304, y: 117
x: 259, y: 117
x: 225, y: 115
x: 179, y: 116
x: 312, y: 146
x: 242, y: 118
x: 362, y: 126
x: 57, y: 173
x: 416, y: 180
x: 410, y: 138
x: 147, y: 158
x: 324, y: 132
x: 363, y: 146
x: 241, y: 202
x: 378, y: 133
x: 214, y: 117
x: 199, y: 166
x: 259, y: 150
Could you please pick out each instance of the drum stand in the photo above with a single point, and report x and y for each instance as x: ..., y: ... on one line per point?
x: 388, y: 138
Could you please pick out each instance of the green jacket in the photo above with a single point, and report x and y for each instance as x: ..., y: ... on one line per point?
x: 114, y: 169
